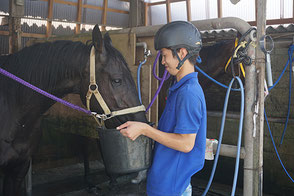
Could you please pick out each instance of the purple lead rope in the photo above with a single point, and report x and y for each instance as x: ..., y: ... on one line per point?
x: 165, y: 76
x: 68, y: 104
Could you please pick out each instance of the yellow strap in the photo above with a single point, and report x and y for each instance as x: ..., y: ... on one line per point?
x: 129, y: 110
x: 236, y: 43
x: 101, y: 123
x: 92, y: 66
x: 88, y: 97
x: 228, y: 64
x: 99, y: 99
x: 242, y: 69
x: 93, y: 82
x: 242, y: 44
x: 102, y: 102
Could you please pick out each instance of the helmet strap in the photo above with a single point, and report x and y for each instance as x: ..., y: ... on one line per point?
x: 181, y: 62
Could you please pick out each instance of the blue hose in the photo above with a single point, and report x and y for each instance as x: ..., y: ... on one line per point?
x: 138, y: 80
x: 276, y: 148
x: 290, y: 52
x: 290, y: 60
x: 221, y: 136
x: 218, y: 83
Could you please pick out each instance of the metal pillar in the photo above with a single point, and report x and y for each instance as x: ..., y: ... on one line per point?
x: 253, y: 164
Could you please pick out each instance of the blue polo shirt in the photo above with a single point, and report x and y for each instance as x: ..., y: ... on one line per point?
x: 184, y: 113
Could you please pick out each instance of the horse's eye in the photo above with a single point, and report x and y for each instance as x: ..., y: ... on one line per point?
x: 116, y: 82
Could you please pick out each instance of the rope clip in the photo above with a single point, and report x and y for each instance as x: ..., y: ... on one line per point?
x: 104, y: 116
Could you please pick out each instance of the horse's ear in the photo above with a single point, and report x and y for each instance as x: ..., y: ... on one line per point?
x: 97, y: 39
x: 107, y: 39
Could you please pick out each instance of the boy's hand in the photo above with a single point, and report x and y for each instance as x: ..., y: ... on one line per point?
x: 132, y: 129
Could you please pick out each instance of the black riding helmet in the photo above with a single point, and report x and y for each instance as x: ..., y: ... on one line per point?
x: 179, y: 34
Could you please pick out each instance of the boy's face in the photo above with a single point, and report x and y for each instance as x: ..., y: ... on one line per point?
x: 169, y: 61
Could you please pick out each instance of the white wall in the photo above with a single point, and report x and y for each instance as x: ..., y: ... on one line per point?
x: 206, y: 9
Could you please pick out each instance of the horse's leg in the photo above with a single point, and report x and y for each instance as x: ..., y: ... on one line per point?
x: 13, y: 178
x: 85, y: 154
x: 113, y: 182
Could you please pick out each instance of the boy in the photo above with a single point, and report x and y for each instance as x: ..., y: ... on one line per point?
x: 180, y: 139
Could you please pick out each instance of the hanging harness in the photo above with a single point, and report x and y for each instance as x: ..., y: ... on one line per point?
x: 93, y: 89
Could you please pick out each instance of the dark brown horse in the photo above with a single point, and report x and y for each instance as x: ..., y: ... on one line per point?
x: 60, y: 68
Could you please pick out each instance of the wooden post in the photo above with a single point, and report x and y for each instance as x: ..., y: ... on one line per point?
x: 253, y: 162
x: 79, y: 16
x: 136, y: 13
x: 49, y: 19
x: 146, y: 8
x: 16, y: 11
x: 219, y: 9
x: 293, y: 12
x: 168, y: 14
x: 256, y: 11
x: 188, y: 7
x: 104, y: 14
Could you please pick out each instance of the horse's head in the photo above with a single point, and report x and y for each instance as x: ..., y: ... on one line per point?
x: 114, y: 81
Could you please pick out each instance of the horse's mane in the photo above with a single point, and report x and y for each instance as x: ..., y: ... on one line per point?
x: 44, y: 64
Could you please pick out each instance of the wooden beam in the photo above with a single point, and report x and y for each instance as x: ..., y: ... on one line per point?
x: 63, y: 2
x: 168, y: 14
x: 31, y: 35
x: 4, y: 33
x: 88, y: 6
x: 146, y: 7
x: 116, y: 11
x: 50, y: 17
x: 66, y: 2
x: 188, y: 7
x: 79, y: 16
x: 34, y: 35
x: 219, y: 8
x: 104, y: 14
x: 94, y: 7
x: 164, y: 2
x: 275, y: 21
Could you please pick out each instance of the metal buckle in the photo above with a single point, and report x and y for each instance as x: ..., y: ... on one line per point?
x: 102, y: 116
x: 95, y: 86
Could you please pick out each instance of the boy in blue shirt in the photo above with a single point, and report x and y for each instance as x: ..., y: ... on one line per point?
x: 180, y: 139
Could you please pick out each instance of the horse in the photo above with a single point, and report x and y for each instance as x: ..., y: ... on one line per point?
x: 60, y: 68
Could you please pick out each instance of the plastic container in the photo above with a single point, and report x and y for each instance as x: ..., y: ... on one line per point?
x: 122, y: 155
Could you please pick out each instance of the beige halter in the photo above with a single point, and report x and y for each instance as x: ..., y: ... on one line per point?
x: 93, y: 89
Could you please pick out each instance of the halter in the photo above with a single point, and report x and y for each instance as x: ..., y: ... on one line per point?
x: 93, y: 89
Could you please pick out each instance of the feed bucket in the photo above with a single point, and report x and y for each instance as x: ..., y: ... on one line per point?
x: 122, y: 155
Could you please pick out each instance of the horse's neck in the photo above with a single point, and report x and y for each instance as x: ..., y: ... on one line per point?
x: 26, y: 100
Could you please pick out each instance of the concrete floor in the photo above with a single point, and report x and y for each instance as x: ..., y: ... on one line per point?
x: 69, y: 181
